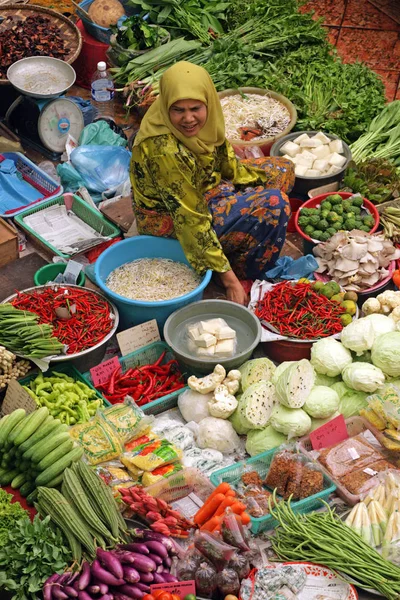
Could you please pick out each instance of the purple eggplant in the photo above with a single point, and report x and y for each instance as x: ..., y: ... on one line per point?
x: 158, y: 578
x: 143, y: 586
x: 149, y: 535
x: 93, y: 589
x: 168, y: 578
x: 84, y: 578
x: 110, y: 562
x: 167, y: 562
x: 47, y: 595
x: 73, y: 577
x: 157, y: 548
x: 147, y: 577
x: 69, y: 590
x: 160, y: 569
x: 124, y: 556
x: 107, y: 597
x: 132, y: 591
x: 83, y: 595
x: 57, y: 592
x: 105, y: 576
x: 143, y: 563
x: 119, y: 596
x: 131, y: 575
x: 135, y: 547
x: 157, y: 559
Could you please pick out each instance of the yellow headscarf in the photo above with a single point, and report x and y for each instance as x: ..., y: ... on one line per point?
x: 185, y: 81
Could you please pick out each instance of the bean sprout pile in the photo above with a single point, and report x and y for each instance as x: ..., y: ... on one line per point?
x: 254, y: 110
x: 152, y: 279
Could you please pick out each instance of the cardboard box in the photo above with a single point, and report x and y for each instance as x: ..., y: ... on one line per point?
x: 8, y: 243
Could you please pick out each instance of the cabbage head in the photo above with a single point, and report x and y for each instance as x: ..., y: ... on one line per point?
x: 330, y: 357
x: 237, y: 421
x: 381, y: 324
x: 385, y: 353
x: 325, y: 380
x: 351, y: 402
x: 358, y: 336
x: 281, y: 368
x: 256, y: 370
x: 322, y: 402
x: 295, y: 383
x: 363, y: 377
x: 293, y: 422
x: 261, y: 440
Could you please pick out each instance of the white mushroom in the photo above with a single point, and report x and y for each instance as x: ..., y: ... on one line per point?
x: 354, y: 251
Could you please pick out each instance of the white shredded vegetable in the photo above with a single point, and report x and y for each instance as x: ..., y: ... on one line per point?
x: 152, y: 279
x: 254, y: 111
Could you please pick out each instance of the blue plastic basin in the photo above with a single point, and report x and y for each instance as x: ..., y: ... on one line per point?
x: 135, y: 312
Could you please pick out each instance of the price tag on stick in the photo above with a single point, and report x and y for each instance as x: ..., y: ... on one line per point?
x: 331, y: 433
x: 103, y: 371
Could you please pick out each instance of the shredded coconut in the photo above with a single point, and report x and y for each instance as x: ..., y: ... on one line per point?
x: 255, y: 111
x: 152, y: 279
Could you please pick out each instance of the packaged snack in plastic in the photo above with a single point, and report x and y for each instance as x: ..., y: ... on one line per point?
x: 128, y: 419
x: 206, y: 579
x: 228, y: 582
x: 143, y: 438
x: 362, y: 480
x: 233, y: 532
x: 312, y: 481
x: 98, y: 439
x: 112, y: 473
x: 187, y: 567
x: 160, y: 473
x: 240, y: 564
x: 213, y: 548
x: 285, y: 474
x: 384, y: 408
x: 350, y: 455
x: 153, y: 454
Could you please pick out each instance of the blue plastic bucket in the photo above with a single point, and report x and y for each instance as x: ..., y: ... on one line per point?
x: 135, y: 312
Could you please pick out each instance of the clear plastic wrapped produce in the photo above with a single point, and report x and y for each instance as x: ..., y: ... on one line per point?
x: 233, y: 531
x: 228, y: 582
x: 240, y: 564
x: 206, y: 579
x: 214, y: 548
x: 187, y: 567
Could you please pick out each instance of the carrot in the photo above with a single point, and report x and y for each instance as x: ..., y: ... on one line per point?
x: 210, y: 524
x: 222, y: 488
x: 208, y: 509
x: 244, y: 517
x: 231, y: 493
x: 227, y: 502
x: 217, y: 528
x: 238, y: 508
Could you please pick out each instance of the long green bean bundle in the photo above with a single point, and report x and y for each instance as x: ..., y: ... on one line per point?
x: 321, y: 537
x: 21, y: 333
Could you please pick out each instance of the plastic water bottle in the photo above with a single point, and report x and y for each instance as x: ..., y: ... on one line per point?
x: 103, y: 91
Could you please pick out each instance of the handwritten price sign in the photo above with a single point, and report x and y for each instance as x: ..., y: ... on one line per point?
x: 103, y: 371
x: 331, y: 433
x: 181, y: 588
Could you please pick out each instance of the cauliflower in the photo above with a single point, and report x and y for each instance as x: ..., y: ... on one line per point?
x: 389, y: 300
x: 223, y: 404
x: 232, y: 381
x: 371, y: 306
x: 395, y: 314
x: 207, y: 384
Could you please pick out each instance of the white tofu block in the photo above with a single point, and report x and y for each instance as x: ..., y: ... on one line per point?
x: 307, y: 153
x: 336, y: 146
x: 205, y: 340
x: 211, y: 326
x: 226, y: 333
x: 206, y: 352
x: 301, y: 137
x: 290, y: 148
x: 310, y: 143
x: 321, y: 164
x: 337, y: 159
x: 322, y: 151
x: 313, y: 173
x: 321, y: 136
x: 193, y: 332
x: 302, y: 159
x: 288, y: 157
x: 300, y: 170
x: 333, y: 170
x: 225, y: 348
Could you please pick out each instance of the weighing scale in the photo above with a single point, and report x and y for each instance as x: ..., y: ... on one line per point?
x: 42, y: 117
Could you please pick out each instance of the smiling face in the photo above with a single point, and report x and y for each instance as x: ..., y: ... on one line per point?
x: 188, y: 116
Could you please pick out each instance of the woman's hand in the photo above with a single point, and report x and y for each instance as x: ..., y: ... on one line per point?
x: 233, y: 288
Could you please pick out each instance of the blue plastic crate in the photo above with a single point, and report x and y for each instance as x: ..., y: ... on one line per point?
x: 48, y: 187
x: 147, y: 355
x: 261, y: 463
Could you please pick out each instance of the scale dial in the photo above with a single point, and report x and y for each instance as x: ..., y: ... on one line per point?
x: 59, y: 118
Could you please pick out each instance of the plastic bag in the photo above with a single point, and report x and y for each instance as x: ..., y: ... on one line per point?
x: 128, y: 419
x: 240, y: 564
x: 350, y: 455
x: 233, y: 531
x: 100, y: 134
x: 284, y: 474
x: 99, y: 440
x: 187, y: 567
x: 288, y: 268
x: 194, y: 406
x: 213, y: 548
x: 160, y: 473
x: 151, y: 455
x: 218, y: 434
x: 228, y: 582
x: 206, y: 579
x: 103, y: 168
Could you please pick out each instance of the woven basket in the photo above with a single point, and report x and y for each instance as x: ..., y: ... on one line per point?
x: 69, y: 31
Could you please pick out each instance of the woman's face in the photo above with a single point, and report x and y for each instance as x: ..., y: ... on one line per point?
x: 188, y: 116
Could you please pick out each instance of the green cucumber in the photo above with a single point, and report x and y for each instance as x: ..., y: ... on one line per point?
x: 19, y: 427
x: 18, y: 480
x: 59, y: 466
x: 47, y: 427
x: 8, y: 476
x: 31, y: 451
x: 32, y: 497
x: 27, y: 488
x: 12, y: 420
x: 31, y: 425
x: 48, y: 444
x: 55, y: 454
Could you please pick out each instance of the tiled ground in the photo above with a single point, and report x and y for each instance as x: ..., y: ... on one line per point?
x: 366, y: 30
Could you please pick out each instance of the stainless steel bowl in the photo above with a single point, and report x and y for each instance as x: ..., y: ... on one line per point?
x: 41, y: 76
x: 91, y: 357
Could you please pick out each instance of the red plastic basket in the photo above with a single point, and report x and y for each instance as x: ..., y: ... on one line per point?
x: 314, y: 202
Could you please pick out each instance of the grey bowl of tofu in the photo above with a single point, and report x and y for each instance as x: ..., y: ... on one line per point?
x: 210, y: 332
x: 319, y: 158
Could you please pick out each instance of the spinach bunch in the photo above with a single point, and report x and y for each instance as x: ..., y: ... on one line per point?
x: 136, y: 34
x: 32, y: 552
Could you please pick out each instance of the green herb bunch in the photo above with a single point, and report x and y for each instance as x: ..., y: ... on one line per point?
x: 9, y: 515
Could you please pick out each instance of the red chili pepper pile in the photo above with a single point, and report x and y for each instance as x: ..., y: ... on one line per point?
x: 296, y: 310
x: 158, y: 513
x: 145, y: 383
x: 90, y: 316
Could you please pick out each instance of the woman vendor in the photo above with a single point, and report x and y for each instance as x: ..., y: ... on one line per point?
x: 229, y: 215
